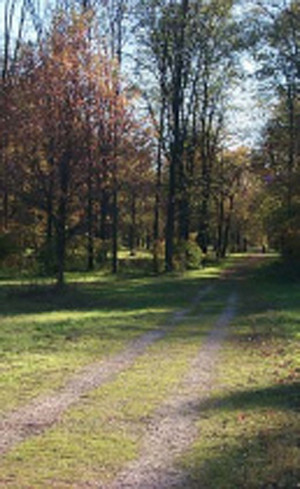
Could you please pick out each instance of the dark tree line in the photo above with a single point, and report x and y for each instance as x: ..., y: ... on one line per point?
x: 113, y: 131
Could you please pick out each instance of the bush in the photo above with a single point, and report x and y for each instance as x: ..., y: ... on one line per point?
x: 6, y: 246
x: 47, y: 259
x: 158, y: 256
x: 103, y: 248
x: 291, y: 245
x: 187, y: 255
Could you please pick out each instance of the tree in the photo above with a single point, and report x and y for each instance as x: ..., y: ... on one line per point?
x: 277, y: 51
x: 185, y: 52
x: 72, y: 95
x: 280, y: 181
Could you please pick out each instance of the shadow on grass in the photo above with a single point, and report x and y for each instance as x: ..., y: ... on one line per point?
x: 278, y: 396
x: 151, y: 296
x: 112, y: 295
x: 260, y: 457
x: 266, y: 460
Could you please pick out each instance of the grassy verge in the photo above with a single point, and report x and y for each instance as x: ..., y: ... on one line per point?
x: 46, y: 336
x: 94, y: 440
x: 249, y: 431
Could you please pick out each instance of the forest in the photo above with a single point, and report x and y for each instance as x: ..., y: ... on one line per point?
x: 149, y: 244
x: 117, y: 132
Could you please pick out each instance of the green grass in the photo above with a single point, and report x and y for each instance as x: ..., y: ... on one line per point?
x: 47, y: 335
x: 94, y: 439
x: 249, y: 430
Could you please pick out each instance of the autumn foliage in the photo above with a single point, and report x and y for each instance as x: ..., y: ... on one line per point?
x: 70, y: 127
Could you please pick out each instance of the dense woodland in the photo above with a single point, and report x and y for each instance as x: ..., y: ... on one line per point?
x: 114, y: 132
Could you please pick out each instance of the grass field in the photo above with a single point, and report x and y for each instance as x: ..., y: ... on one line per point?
x: 46, y: 335
x: 247, y: 430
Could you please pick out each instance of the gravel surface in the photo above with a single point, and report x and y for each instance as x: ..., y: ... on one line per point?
x: 173, y: 427
x: 44, y: 411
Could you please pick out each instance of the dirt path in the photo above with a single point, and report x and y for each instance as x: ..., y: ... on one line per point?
x: 173, y: 427
x: 44, y: 411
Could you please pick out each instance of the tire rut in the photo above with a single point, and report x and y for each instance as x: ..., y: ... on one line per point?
x: 173, y: 427
x: 44, y: 411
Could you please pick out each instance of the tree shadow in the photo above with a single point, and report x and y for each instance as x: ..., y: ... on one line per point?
x: 110, y: 295
x: 264, y: 458
x: 262, y: 461
x: 278, y: 396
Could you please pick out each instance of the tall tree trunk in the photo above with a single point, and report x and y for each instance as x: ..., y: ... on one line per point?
x: 62, y: 216
x: 115, y: 223
x: 177, y: 139
x: 104, y: 211
x: 90, y: 218
x: 5, y: 191
x: 184, y: 213
x: 50, y: 216
x: 156, y: 235
x: 116, y: 38
x: 202, y: 236
x: 156, y: 232
x: 291, y: 151
x: 132, y: 230
x: 50, y: 202
x: 220, y: 227
x: 227, y: 228
x: 3, y: 146
x: 170, y: 218
x: 203, y: 230
x: 103, y: 230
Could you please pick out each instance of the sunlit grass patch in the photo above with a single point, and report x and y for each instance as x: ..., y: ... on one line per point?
x: 46, y: 336
x: 95, y: 438
x: 98, y: 436
x: 39, y: 351
x: 63, y: 459
x: 249, y: 430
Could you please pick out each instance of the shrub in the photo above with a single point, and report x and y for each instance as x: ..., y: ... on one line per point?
x: 6, y: 246
x: 158, y: 256
x: 187, y: 255
x: 47, y: 259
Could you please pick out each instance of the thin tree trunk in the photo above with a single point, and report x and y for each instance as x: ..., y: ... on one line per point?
x: 170, y: 219
x: 227, y: 228
x: 115, y: 222
x: 132, y: 230
x: 220, y: 227
x: 156, y: 233
x: 291, y: 155
x: 104, y: 204
x: 90, y: 264
x: 116, y: 24
x: 177, y: 143
x: 62, y: 216
x: 50, y: 217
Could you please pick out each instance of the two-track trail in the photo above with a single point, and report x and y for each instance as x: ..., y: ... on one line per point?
x: 173, y: 427
x: 44, y: 411
x: 170, y: 430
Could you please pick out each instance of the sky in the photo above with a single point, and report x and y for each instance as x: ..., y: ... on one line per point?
x: 248, y: 112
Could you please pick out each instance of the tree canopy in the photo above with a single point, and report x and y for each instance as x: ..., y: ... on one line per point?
x: 114, y: 132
